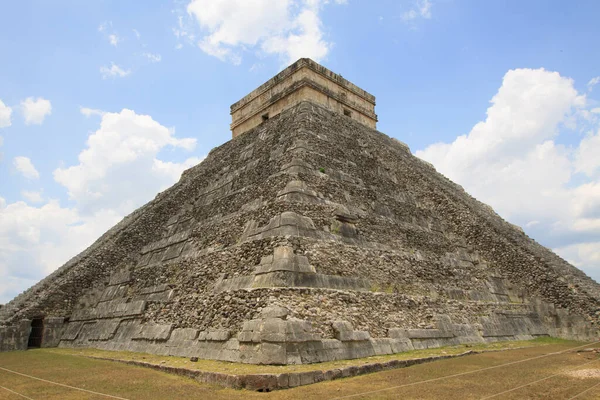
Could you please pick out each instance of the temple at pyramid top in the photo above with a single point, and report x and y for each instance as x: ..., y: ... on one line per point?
x: 304, y: 80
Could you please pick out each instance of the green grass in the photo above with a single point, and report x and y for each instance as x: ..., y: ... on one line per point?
x: 239, y: 368
x: 472, y: 377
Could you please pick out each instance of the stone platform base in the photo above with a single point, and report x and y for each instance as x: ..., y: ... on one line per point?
x: 269, y: 382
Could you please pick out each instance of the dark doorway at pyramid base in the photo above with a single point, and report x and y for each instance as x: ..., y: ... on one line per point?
x: 36, y: 335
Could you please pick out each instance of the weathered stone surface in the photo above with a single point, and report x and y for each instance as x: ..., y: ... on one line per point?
x: 154, y: 332
x: 308, y: 220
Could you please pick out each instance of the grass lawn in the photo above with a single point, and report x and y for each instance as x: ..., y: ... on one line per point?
x: 529, y: 364
x: 239, y: 368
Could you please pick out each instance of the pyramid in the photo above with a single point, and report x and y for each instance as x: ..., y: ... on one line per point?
x: 308, y: 237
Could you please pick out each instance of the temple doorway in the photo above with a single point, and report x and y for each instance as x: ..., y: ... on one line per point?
x: 36, y: 334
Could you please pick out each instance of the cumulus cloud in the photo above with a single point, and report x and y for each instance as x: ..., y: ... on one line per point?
x: 34, y: 241
x: 32, y: 196
x: 513, y: 161
x: 35, y: 110
x: 421, y: 9
x: 25, y: 167
x: 593, y: 82
x: 581, y: 254
x: 104, y: 26
x: 152, y: 57
x: 289, y: 28
x: 113, y: 71
x: 114, y: 39
x: 88, y: 112
x: 5, y: 113
x: 118, y: 170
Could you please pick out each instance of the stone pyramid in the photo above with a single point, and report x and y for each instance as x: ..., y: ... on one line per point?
x: 308, y: 237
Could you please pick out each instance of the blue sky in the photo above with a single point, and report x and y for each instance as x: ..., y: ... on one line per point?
x: 104, y: 103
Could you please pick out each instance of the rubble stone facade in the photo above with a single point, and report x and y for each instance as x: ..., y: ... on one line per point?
x: 309, y: 238
x: 304, y: 80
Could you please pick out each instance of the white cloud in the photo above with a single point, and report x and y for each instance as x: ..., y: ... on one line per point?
x: 88, y: 112
x: 153, y: 57
x: 32, y: 196
x: 593, y: 82
x: 25, y: 167
x: 136, y: 33
x: 114, y: 39
x: 289, y: 28
x: 581, y: 254
x: 184, y: 31
x: 588, y: 154
x: 35, y: 110
x: 119, y: 167
x: 104, y: 26
x: 34, y: 241
x: 307, y: 41
x: 512, y: 161
x: 422, y: 9
x: 5, y: 113
x: 114, y: 71
x: 118, y: 171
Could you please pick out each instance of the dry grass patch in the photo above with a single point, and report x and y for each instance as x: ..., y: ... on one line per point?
x: 472, y: 377
x: 240, y: 368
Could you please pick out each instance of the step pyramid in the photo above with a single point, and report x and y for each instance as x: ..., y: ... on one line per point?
x: 308, y: 237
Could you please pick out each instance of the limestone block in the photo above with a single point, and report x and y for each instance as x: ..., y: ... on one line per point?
x: 428, y: 334
x: 272, y: 330
x: 144, y: 259
x: 153, y: 332
x: 157, y: 256
x: 166, y: 242
x: 299, y: 331
x: 344, y: 332
x: 84, y: 314
x: 382, y: 346
x: 173, y: 251
x: 398, y: 333
x: 262, y: 353
x: 119, y: 308
x: 297, y: 187
x: 72, y: 331
x: 113, y: 292
x: 120, y: 277
x: 344, y: 229
x: 400, y: 345
x: 294, y: 219
x: 220, y: 335
x: 271, y: 353
x: 15, y: 337
x: 160, y: 297
x: 274, y: 312
x: 284, y: 259
x: 87, y: 331
x: 172, y: 220
x: 297, y: 166
x: 103, y: 330
x: 242, y: 337
x: 353, y: 336
x: 180, y: 334
x: 343, y: 214
x: 341, y: 326
x: 155, y: 289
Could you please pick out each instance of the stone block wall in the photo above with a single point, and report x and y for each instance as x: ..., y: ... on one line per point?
x: 309, y: 238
